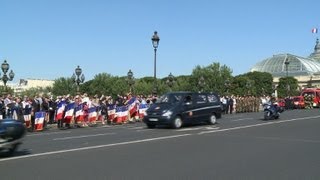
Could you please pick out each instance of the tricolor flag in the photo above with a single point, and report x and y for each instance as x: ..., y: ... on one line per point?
x: 60, y: 109
x: 132, y: 105
x: 121, y: 114
x: 39, y: 120
x: 27, y: 120
x: 111, y: 112
x: 142, y: 110
x: 79, y: 113
x: 92, y: 114
x: 69, y: 113
x: 314, y: 30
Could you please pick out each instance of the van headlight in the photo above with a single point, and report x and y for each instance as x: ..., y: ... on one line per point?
x: 167, y: 114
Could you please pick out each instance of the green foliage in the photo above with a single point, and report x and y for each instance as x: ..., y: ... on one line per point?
x: 288, y: 86
x: 218, y: 78
x: 63, y: 86
x: 214, y: 75
x: 32, y: 92
x: 252, y: 83
x: 6, y: 91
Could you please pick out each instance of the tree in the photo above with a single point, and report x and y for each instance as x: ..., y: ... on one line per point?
x: 63, y: 86
x: 262, y: 83
x: 288, y: 86
x: 214, y: 76
x: 32, y: 92
x: 6, y: 91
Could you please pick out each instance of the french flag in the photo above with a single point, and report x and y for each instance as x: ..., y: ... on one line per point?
x: 60, y: 109
x: 132, y: 105
x: 111, y: 112
x: 142, y: 110
x: 79, y: 113
x: 69, y: 112
x: 39, y: 120
x: 92, y: 114
x: 27, y: 120
x: 314, y: 30
x: 121, y: 114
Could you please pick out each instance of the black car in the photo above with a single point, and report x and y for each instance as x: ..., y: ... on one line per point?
x: 179, y: 108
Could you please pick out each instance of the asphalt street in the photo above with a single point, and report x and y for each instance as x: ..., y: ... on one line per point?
x: 240, y: 146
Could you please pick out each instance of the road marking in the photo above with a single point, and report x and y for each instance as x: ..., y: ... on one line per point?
x: 136, y: 127
x: 94, y: 147
x: 104, y: 126
x: 256, y: 125
x: 241, y: 119
x: 142, y: 130
x: 43, y: 134
x: 198, y: 128
x: 189, y: 129
x: 78, y: 137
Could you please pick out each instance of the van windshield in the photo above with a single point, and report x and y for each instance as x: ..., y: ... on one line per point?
x: 169, y: 98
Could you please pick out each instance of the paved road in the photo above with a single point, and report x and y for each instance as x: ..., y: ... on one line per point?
x: 241, y: 146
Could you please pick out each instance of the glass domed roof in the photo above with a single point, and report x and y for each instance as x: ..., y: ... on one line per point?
x: 297, y: 66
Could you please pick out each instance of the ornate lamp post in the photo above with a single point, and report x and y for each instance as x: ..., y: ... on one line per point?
x: 5, y: 78
x: 155, y: 42
x: 170, y: 81
x: 78, y: 78
x: 287, y: 64
x: 201, y: 83
x: 130, y: 79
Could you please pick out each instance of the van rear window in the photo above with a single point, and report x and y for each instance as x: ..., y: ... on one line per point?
x: 212, y: 98
x: 201, y: 99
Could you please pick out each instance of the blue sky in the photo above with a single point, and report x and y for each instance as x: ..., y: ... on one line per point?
x: 47, y: 39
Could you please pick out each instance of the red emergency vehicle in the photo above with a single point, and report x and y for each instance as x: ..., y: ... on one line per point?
x: 314, y: 93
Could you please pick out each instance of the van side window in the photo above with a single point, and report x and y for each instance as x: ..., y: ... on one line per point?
x: 201, y: 98
x: 212, y: 98
x: 188, y: 99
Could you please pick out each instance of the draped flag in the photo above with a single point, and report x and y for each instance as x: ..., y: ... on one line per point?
x: 132, y: 105
x: 27, y: 115
x: 69, y: 113
x: 121, y: 114
x: 79, y: 113
x: 99, y: 116
x: 314, y: 30
x: 92, y: 114
x: 111, y: 112
x: 27, y: 120
x: 60, y: 109
x: 142, y: 110
x: 39, y: 120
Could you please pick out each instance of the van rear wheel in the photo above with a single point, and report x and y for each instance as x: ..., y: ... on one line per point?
x: 213, y: 119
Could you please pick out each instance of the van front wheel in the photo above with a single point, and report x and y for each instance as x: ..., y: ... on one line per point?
x: 177, y: 123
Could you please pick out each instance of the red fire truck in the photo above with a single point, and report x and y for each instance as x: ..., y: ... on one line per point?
x: 314, y: 93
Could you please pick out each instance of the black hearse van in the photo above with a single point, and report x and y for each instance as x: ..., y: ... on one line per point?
x: 178, y: 108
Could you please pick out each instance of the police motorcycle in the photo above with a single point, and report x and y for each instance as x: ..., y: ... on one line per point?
x: 272, y: 111
x: 11, y: 134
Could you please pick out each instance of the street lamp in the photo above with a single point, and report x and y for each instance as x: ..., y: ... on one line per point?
x: 5, y: 67
x: 201, y: 83
x: 155, y: 42
x: 170, y: 81
x: 286, y: 62
x: 130, y: 79
x: 288, y: 86
x: 78, y: 78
